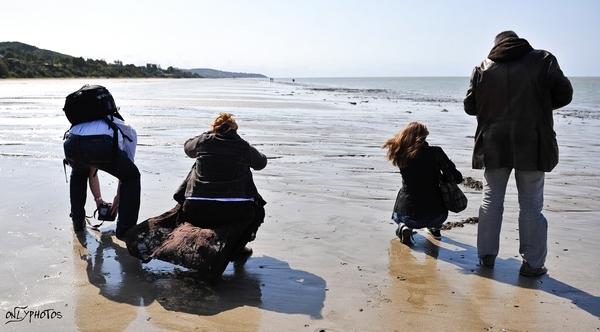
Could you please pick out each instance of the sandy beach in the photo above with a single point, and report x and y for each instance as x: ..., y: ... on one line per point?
x: 326, y: 258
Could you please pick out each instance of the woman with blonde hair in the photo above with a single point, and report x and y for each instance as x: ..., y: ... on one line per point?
x: 419, y: 202
x: 220, y: 189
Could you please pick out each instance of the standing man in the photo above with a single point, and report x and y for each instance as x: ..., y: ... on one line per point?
x: 513, y: 93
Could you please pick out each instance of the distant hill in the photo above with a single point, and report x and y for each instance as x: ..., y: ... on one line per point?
x: 213, y: 73
x: 21, y: 60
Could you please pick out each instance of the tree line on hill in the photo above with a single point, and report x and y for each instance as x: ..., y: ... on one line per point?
x: 19, y: 60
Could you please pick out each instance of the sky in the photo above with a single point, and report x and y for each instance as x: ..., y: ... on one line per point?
x: 307, y: 38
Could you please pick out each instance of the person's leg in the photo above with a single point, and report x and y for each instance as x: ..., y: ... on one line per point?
x: 405, y: 226
x: 78, y: 195
x: 99, y: 151
x: 254, y: 215
x: 77, y: 183
x: 435, y: 225
x: 490, y: 213
x: 533, y: 226
x: 129, y: 204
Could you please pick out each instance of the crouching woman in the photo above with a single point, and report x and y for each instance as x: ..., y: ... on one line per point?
x: 419, y: 202
x: 220, y: 190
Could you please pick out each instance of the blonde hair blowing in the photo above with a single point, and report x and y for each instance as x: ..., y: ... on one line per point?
x: 223, y: 123
x: 405, y: 145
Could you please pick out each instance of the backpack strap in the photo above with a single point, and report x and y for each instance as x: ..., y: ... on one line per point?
x: 116, y: 130
x: 65, y: 162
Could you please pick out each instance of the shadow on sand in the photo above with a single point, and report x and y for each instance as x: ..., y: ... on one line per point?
x: 265, y: 282
x: 505, y: 271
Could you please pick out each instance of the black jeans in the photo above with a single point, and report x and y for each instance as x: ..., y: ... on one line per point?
x: 83, y: 152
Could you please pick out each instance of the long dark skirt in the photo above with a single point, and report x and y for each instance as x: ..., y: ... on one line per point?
x: 199, y: 236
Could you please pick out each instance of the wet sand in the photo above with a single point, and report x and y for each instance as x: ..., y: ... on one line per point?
x: 326, y: 257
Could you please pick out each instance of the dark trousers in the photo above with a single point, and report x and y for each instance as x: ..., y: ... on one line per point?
x: 432, y: 221
x: 83, y: 152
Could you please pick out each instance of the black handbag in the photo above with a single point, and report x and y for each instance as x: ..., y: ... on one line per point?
x: 454, y: 199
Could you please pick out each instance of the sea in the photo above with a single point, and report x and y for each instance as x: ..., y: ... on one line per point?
x: 32, y: 122
x: 586, y: 90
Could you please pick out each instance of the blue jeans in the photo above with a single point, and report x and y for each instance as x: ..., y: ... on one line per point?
x: 533, y: 227
x: 416, y: 223
x: 83, y: 152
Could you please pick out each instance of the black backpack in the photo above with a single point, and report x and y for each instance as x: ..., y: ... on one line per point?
x: 91, y: 102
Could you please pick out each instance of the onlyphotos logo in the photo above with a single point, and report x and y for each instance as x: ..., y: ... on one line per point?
x: 19, y: 314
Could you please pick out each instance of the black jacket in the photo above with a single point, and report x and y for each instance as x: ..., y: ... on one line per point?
x: 513, y: 93
x: 222, y: 168
x: 420, y: 195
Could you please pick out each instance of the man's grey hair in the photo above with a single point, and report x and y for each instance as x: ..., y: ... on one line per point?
x: 505, y: 34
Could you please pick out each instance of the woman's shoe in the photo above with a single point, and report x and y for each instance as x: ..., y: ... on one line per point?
x: 436, y: 233
x: 405, y: 234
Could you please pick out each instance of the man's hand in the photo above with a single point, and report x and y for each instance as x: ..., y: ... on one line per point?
x: 115, y: 205
x: 99, y: 201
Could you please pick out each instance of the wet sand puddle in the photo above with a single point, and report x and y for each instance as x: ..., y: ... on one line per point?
x: 440, y: 281
x: 131, y: 295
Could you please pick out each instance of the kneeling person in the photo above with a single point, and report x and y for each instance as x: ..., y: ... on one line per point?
x: 220, y: 189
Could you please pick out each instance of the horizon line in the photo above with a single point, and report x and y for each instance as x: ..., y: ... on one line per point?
x: 408, y: 76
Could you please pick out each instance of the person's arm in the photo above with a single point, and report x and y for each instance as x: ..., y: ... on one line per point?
x: 449, y: 169
x: 115, y: 204
x: 95, y: 186
x: 258, y: 160
x: 561, y: 90
x: 190, y: 146
x: 469, y: 102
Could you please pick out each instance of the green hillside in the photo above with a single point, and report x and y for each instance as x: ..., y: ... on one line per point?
x: 19, y: 60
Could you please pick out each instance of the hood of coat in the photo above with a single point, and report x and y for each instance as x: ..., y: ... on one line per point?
x: 509, y: 49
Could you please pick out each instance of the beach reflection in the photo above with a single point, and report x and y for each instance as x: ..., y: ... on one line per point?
x: 480, y: 294
x: 426, y: 296
x: 138, y: 294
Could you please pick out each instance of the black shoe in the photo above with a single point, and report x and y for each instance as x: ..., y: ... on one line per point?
x: 405, y: 234
x: 487, y: 261
x: 122, y: 235
x: 241, y: 256
x: 528, y: 271
x: 436, y: 233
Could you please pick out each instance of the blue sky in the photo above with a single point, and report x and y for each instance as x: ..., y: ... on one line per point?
x: 307, y: 38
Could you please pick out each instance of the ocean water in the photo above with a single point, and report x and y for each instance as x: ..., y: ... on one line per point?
x: 32, y: 122
x: 586, y: 96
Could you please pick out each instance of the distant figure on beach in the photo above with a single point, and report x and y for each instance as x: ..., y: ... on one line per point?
x: 220, y: 189
x: 419, y: 202
x: 513, y: 93
x: 100, y: 139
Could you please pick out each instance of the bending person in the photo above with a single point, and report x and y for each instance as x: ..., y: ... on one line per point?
x: 419, y: 202
x: 90, y: 145
x: 220, y: 189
